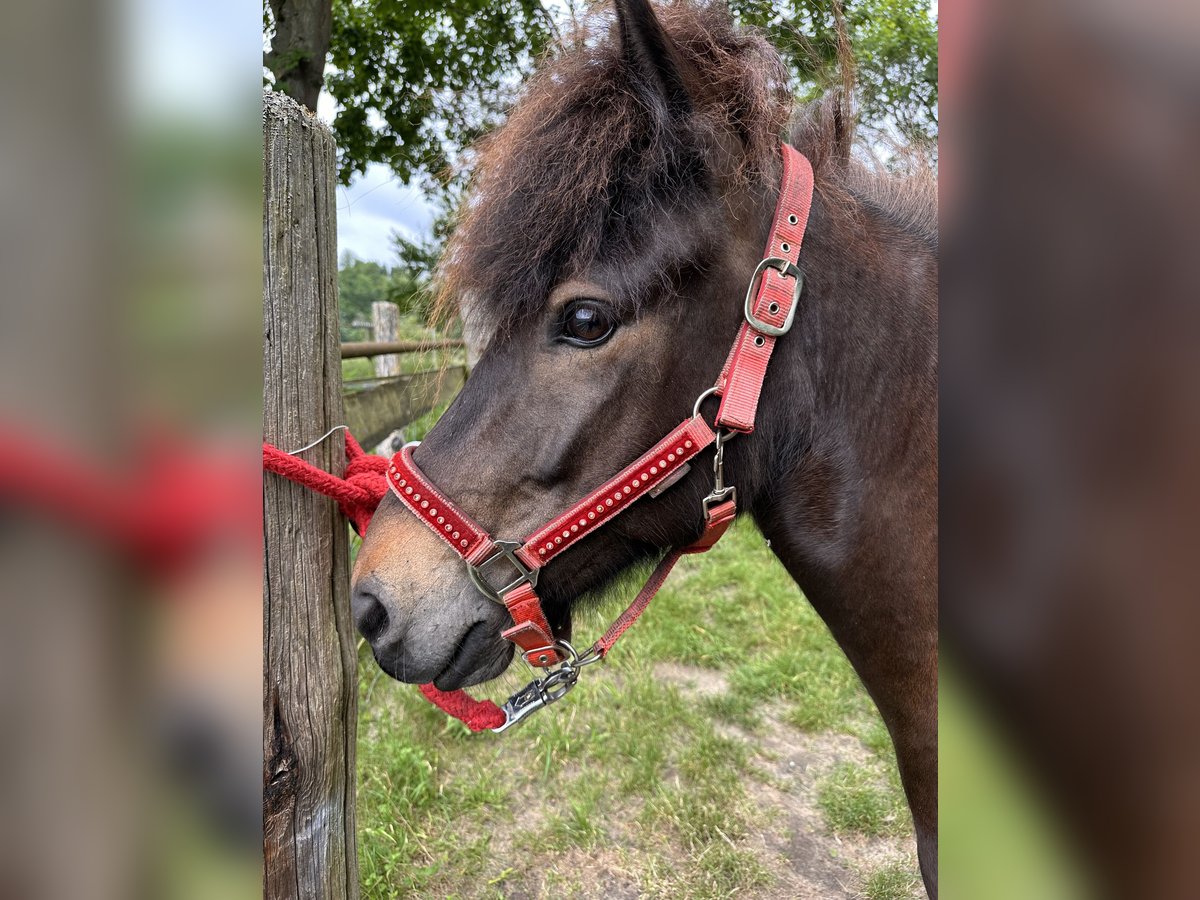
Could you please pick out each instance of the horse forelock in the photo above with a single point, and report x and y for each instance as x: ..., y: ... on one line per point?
x: 585, y: 166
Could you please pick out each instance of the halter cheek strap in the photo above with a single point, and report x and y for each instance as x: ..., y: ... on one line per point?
x: 769, y: 311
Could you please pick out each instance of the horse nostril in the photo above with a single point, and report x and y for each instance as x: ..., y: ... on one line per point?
x: 370, y: 616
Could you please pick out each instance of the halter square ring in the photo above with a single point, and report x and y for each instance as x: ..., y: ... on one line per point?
x: 785, y: 268
x: 504, y: 550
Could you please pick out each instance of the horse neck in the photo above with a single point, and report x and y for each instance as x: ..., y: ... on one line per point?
x: 848, y: 423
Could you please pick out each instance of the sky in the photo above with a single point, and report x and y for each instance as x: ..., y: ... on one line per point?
x: 374, y: 206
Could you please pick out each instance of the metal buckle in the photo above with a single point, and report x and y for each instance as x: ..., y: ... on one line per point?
x: 508, y: 550
x: 718, y: 497
x: 700, y: 400
x: 784, y: 267
x: 543, y: 691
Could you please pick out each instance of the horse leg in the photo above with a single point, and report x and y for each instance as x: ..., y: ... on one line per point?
x: 886, y: 624
x: 897, y: 662
x: 917, y: 756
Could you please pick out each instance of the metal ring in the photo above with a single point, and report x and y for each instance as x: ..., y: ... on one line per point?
x: 792, y: 220
x: 724, y: 436
x: 589, y: 656
x: 701, y: 399
x: 411, y: 444
x: 572, y: 656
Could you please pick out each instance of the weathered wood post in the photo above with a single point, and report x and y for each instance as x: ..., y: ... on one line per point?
x: 309, y: 688
x: 385, y: 327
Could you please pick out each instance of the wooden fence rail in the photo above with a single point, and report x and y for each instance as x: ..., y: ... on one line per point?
x: 360, y: 349
x: 375, y: 412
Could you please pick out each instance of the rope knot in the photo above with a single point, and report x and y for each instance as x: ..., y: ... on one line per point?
x: 357, y: 495
x: 363, y: 465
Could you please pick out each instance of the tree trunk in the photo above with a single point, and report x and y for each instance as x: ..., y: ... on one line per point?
x: 299, y: 47
x: 309, y: 680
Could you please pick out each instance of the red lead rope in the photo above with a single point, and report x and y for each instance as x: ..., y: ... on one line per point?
x: 358, y: 495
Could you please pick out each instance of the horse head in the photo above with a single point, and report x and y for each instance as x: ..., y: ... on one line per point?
x: 601, y: 259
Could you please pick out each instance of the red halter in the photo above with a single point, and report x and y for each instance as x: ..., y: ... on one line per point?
x: 770, y: 308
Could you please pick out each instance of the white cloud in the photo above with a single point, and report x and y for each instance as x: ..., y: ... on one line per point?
x: 375, y: 205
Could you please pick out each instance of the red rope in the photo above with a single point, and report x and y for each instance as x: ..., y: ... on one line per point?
x: 639, y: 604
x: 358, y: 495
x: 170, y: 506
x: 475, y: 714
x: 181, y: 501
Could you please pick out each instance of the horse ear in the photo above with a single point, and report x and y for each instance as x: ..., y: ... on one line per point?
x: 651, y: 56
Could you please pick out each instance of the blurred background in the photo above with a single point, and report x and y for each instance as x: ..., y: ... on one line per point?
x: 130, y: 407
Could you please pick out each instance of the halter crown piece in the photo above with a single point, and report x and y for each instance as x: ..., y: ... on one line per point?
x: 770, y: 309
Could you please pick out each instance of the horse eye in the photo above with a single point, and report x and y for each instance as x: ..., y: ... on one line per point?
x: 587, y: 323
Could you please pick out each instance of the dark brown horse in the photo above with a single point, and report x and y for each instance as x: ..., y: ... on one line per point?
x: 614, y: 223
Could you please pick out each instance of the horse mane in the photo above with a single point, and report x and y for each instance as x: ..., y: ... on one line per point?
x: 583, y: 164
x: 902, y: 190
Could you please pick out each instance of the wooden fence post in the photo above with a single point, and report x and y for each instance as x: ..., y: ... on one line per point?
x: 385, y: 322
x: 309, y: 680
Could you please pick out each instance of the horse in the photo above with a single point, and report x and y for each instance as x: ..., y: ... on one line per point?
x: 612, y: 224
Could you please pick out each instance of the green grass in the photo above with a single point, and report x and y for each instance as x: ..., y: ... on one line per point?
x: 363, y: 369
x: 636, y: 773
x: 418, y: 428
x: 894, y: 882
x: 357, y: 369
x: 856, y: 798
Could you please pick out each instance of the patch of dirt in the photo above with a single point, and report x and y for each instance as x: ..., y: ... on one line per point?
x: 600, y: 872
x: 693, y: 680
x: 787, y: 835
x: 807, y: 860
x: 609, y: 870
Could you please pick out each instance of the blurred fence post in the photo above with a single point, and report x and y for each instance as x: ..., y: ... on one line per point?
x: 309, y: 681
x: 385, y: 322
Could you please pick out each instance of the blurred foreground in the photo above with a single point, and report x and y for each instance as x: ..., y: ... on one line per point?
x: 130, y: 365
x: 1070, y: 433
